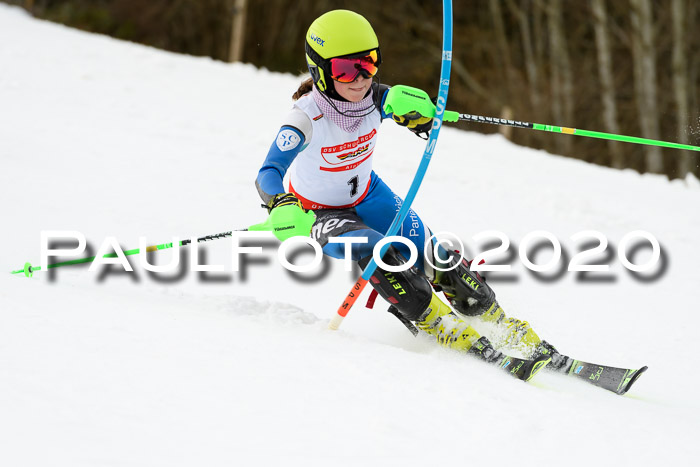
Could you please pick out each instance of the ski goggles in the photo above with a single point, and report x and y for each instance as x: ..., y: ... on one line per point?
x: 347, y: 69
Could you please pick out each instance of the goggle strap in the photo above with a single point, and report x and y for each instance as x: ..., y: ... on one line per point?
x: 313, y: 55
x: 318, y: 60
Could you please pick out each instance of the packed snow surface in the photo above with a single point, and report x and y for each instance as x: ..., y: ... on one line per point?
x: 114, y: 139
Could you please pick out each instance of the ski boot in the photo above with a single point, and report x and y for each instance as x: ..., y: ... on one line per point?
x: 451, y: 331
x: 515, y: 333
x: 470, y: 295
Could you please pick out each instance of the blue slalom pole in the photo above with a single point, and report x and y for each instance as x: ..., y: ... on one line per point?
x: 357, y: 288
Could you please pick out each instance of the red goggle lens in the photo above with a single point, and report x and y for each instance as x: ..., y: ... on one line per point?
x: 346, y: 70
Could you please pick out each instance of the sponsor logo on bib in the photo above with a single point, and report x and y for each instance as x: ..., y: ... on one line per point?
x: 345, y: 152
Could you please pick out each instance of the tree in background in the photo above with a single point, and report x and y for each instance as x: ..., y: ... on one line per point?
x: 681, y: 86
x: 607, y: 83
x: 644, y: 61
x: 623, y: 66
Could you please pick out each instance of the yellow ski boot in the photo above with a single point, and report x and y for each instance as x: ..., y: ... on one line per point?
x: 451, y: 331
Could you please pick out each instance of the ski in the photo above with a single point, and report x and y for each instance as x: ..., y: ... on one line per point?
x: 617, y: 380
x: 521, y: 368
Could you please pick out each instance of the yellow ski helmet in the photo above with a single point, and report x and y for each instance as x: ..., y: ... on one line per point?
x: 338, y: 33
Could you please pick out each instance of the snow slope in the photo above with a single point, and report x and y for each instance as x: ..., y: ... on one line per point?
x: 132, y: 369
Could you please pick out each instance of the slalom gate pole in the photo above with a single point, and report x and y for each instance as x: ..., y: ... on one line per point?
x: 451, y: 116
x: 357, y: 288
x: 29, y: 270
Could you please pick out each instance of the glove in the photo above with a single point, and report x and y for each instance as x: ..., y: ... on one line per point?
x: 287, y: 217
x: 282, y: 199
x: 415, y: 122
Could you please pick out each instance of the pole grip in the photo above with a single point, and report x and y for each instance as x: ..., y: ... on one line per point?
x: 450, y: 116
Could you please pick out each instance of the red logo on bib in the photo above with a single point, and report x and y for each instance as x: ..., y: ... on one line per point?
x: 343, y: 153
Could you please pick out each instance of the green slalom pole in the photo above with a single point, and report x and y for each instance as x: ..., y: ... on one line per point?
x: 29, y: 270
x: 451, y: 116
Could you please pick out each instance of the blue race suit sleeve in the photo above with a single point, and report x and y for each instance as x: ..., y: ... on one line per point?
x: 288, y: 144
x: 382, y: 90
x: 381, y: 107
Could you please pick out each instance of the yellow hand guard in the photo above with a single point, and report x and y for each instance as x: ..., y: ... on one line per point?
x: 415, y: 122
x: 283, y: 199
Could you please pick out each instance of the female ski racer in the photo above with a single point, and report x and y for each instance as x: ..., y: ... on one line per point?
x: 326, y: 144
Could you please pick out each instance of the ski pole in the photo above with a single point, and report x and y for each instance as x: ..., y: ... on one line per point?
x: 29, y: 270
x: 451, y: 116
x: 357, y: 288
